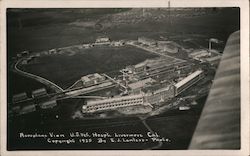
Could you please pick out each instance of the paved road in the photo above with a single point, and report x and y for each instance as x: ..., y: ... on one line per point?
x: 90, y: 89
x: 72, y: 85
x: 150, y: 130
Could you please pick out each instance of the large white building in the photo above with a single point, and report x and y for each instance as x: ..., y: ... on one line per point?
x: 102, y: 40
x: 152, y: 98
x: 188, y: 81
x: 92, y: 79
x: 147, y: 41
x: 113, y: 103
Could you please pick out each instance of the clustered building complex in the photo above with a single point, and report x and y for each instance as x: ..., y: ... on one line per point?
x: 136, y: 87
x: 137, y: 79
x: 165, y: 46
x: 151, y: 98
x: 203, y: 55
x: 154, y: 67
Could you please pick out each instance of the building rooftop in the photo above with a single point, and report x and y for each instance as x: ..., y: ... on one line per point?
x: 198, y: 52
x: 19, y: 97
x: 28, y: 109
x: 24, y: 102
x: 162, y: 89
x: 140, y: 64
x: 39, y: 91
x: 213, y: 58
x: 97, y: 75
x: 188, y: 78
x: 102, y: 39
x: 140, y: 84
x: 49, y: 102
x: 91, y: 77
x: 96, y: 102
x: 85, y: 78
x: 154, y: 87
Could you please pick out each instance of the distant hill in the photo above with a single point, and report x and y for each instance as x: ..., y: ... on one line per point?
x: 38, y: 17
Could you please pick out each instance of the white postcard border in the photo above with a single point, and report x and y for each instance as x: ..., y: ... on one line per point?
x: 244, y: 41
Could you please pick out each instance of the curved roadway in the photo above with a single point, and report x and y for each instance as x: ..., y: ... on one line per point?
x: 38, y: 78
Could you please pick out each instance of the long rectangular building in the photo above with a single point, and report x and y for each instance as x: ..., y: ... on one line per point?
x: 188, y: 81
x: 112, y: 103
x: 48, y: 104
x: 152, y: 98
x: 39, y: 93
x: 27, y: 109
x: 19, y: 97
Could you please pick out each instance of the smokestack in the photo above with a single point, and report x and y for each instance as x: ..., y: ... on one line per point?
x: 210, y: 43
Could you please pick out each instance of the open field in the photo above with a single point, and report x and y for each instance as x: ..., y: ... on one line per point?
x: 64, y: 70
x: 43, y: 29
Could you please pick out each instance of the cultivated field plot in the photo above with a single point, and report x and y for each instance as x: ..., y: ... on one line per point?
x: 64, y: 69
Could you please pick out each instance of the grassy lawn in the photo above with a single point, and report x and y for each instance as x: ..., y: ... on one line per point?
x: 64, y: 70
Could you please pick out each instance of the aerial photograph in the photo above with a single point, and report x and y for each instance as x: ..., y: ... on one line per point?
x: 118, y: 78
